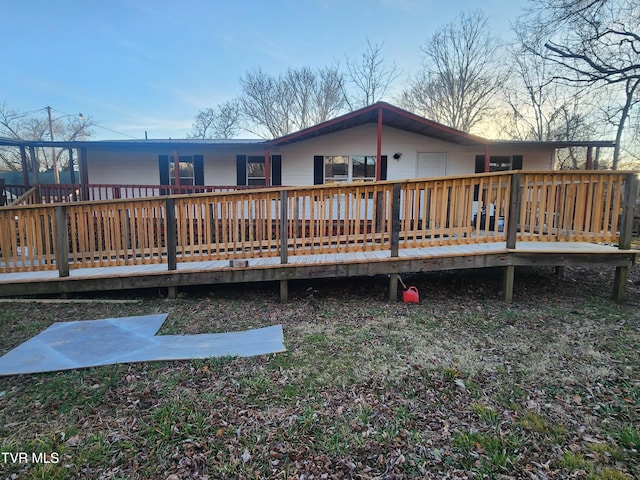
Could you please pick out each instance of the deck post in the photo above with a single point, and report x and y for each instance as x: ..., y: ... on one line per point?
x: 284, y: 243
x: 170, y: 241
x: 626, y: 230
x: 515, y: 197
x: 395, y: 239
x: 62, y: 240
x: 507, y: 283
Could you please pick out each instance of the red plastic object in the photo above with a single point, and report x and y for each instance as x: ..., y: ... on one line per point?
x: 410, y: 295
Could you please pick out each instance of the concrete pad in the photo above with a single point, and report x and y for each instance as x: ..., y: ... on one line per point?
x: 68, y: 345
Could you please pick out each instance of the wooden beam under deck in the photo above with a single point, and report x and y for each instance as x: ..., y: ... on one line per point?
x: 331, y: 266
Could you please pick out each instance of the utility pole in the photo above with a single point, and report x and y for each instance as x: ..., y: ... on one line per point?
x: 54, y: 163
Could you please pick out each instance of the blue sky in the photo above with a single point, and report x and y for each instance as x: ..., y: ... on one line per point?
x: 150, y: 65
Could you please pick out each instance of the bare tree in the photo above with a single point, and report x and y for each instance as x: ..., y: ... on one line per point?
x: 461, y: 74
x: 276, y: 106
x: 223, y: 121
x: 596, y: 42
x: 369, y: 77
x: 543, y: 109
x: 35, y: 126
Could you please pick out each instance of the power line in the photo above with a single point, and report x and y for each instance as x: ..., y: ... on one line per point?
x: 115, y: 131
x: 100, y: 126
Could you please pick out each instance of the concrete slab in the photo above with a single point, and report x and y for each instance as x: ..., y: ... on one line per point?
x: 68, y: 345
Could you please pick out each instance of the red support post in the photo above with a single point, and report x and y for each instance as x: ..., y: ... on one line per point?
x: 84, y: 174
x: 72, y: 173
x: 267, y: 167
x: 176, y: 169
x: 487, y: 159
x: 25, y: 168
x: 379, y: 149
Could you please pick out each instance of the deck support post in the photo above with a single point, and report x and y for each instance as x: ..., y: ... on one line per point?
x: 620, y: 284
x: 62, y: 240
x: 626, y: 230
x: 507, y: 283
x: 284, y: 290
x: 170, y: 217
x: 284, y: 243
x: 515, y: 196
x: 170, y: 241
x: 395, y: 239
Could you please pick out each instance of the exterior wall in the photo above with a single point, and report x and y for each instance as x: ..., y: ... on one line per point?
x: 130, y: 168
x: 138, y: 165
x: 297, y: 159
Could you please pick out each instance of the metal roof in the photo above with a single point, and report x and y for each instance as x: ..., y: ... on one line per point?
x: 4, y: 141
x: 392, y: 116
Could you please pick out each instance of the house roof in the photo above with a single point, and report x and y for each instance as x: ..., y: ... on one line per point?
x: 4, y: 141
x: 391, y: 116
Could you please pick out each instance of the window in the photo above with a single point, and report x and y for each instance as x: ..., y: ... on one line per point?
x: 499, y: 163
x: 190, y: 169
x: 256, y: 171
x: 342, y: 168
x: 364, y: 168
x: 186, y: 171
x: 336, y: 169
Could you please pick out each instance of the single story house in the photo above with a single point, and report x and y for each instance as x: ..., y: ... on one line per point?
x: 344, y: 149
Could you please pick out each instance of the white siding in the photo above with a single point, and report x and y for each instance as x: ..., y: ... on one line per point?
x: 297, y: 159
x: 141, y: 167
x: 128, y: 168
x: 139, y: 164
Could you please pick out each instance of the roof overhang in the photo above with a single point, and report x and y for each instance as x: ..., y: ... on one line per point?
x: 392, y: 116
x: 133, y: 144
x: 554, y: 144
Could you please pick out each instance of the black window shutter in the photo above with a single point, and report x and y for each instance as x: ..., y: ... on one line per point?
x: 198, y: 169
x: 516, y: 162
x: 276, y: 169
x: 383, y: 167
x: 241, y: 169
x: 479, y: 164
x: 163, y: 164
x: 318, y: 170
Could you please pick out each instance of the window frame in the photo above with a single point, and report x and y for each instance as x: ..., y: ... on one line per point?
x: 187, y: 159
x: 350, y: 164
x: 252, y: 180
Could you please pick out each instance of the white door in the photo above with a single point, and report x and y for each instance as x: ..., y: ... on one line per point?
x: 431, y: 164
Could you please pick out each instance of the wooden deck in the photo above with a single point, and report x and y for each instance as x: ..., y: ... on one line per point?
x: 488, y: 220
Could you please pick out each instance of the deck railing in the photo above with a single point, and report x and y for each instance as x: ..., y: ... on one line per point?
x: 65, y: 193
x: 497, y: 207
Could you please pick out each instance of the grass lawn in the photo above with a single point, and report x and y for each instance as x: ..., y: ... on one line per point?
x: 461, y: 385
